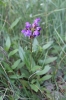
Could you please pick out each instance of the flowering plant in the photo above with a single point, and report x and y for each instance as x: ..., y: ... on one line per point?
x: 34, y: 70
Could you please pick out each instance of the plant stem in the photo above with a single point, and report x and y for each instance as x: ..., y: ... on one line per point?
x: 31, y: 53
x: 31, y: 45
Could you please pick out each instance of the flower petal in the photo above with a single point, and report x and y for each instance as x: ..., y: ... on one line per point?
x: 36, y: 33
x: 36, y: 21
x: 27, y: 25
x: 23, y: 31
x: 38, y: 28
x: 28, y: 33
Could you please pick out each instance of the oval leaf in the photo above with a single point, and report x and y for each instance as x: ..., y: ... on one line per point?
x: 1, y: 98
x: 50, y: 59
x: 34, y: 87
x: 47, y: 45
x: 15, y: 23
x: 44, y: 78
x: 35, y: 45
x: 16, y: 76
x: 12, y: 52
x: 21, y: 53
x: 15, y: 64
x: 44, y: 71
x: 35, y: 68
x: 8, y: 43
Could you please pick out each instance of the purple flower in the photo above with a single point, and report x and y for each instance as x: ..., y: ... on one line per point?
x: 26, y: 32
x: 32, y: 30
x: 36, y: 33
x: 33, y: 25
x: 27, y: 25
x: 38, y: 28
x: 23, y: 31
x: 36, y: 21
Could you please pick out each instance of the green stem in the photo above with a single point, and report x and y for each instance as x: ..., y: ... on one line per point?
x: 31, y: 45
x: 31, y: 53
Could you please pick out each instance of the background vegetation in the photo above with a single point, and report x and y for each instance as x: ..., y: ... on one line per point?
x: 46, y: 80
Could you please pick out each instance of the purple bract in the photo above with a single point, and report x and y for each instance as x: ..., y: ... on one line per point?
x: 32, y: 30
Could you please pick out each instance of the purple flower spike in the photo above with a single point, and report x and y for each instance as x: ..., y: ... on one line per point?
x: 27, y: 25
x: 32, y: 30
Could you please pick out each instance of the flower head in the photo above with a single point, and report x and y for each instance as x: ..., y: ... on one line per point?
x: 32, y: 30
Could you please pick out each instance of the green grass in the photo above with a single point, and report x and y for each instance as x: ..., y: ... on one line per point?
x: 13, y: 15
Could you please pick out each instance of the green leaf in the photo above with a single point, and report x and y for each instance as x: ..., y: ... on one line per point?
x: 7, y: 67
x: 33, y: 81
x: 35, y: 68
x: 1, y: 98
x: 50, y: 59
x: 35, y: 45
x: 15, y: 23
x: 25, y: 72
x: 27, y: 60
x: 16, y: 63
x: 2, y: 3
x: 25, y: 57
x: 47, y: 45
x: 16, y: 76
x: 8, y: 43
x: 12, y: 52
x: 10, y: 97
x: 21, y: 53
x: 20, y: 65
x: 34, y: 87
x: 44, y: 71
x: 44, y: 78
